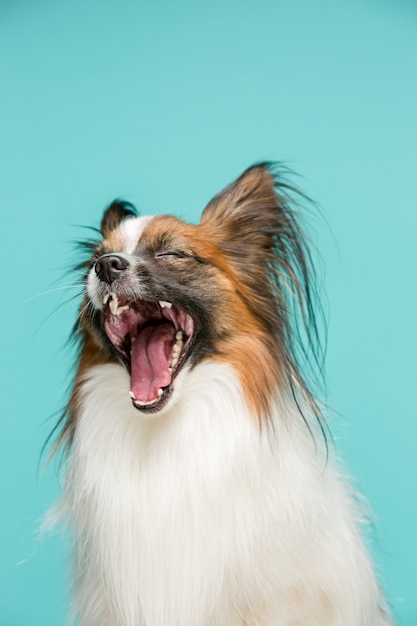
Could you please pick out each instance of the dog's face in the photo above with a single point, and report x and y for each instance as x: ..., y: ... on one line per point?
x: 160, y: 300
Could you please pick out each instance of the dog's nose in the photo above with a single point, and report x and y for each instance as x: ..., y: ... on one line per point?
x: 110, y: 266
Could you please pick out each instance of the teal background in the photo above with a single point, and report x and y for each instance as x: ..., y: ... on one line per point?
x: 163, y: 103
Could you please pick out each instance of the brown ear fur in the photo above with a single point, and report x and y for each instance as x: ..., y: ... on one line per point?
x: 117, y: 211
x: 254, y: 186
x: 253, y: 225
x: 245, y: 218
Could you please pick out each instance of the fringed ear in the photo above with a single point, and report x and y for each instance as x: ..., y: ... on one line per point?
x: 248, y: 202
x: 255, y: 225
x: 117, y: 211
x: 246, y: 219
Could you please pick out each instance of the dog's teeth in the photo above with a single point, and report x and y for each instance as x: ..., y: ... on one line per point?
x: 113, y: 303
x: 105, y: 299
x: 176, y: 350
x: 163, y: 304
x: 160, y: 392
x: 132, y: 395
x: 120, y: 309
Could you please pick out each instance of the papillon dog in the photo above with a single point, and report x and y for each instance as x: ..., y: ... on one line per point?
x: 199, y: 483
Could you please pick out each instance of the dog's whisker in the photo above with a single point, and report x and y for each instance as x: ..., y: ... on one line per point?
x: 49, y: 291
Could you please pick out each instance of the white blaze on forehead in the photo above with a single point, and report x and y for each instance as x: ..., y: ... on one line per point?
x: 131, y: 230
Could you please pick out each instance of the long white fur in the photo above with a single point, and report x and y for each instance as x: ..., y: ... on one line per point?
x: 197, y: 517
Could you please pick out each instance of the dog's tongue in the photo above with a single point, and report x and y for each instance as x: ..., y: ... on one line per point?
x: 151, y: 351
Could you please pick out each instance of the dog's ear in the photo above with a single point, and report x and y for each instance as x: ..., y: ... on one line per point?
x: 255, y: 223
x: 117, y: 211
x: 253, y: 188
x: 248, y: 215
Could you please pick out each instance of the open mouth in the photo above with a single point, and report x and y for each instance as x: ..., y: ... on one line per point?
x: 153, y: 340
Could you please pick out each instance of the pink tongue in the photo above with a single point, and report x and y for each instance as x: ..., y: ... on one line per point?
x: 150, y: 359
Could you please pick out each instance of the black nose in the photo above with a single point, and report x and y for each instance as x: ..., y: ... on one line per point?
x: 110, y: 266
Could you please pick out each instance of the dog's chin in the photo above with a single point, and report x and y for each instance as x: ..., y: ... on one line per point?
x: 154, y: 341
x: 158, y: 406
x: 169, y: 403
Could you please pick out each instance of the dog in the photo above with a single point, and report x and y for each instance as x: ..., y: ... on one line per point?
x: 199, y: 483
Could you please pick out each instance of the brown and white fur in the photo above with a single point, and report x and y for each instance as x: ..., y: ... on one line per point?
x: 198, y: 483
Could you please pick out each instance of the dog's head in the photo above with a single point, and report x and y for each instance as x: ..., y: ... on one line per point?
x: 163, y: 295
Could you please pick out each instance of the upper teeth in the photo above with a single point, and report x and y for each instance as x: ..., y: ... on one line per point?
x: 116, y: 310
x: 113, y: 301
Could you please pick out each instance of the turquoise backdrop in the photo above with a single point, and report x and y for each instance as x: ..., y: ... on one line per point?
x: 163, y: 103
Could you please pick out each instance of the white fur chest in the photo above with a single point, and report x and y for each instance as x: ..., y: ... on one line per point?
x: 164, y: 507
x: 196, y: 518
